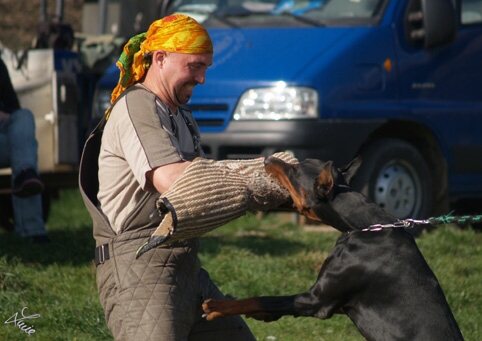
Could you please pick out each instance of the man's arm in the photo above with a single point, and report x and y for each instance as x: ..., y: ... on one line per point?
x: 163, y: 177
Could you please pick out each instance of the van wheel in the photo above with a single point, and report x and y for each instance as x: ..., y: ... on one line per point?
x: 395, y: 175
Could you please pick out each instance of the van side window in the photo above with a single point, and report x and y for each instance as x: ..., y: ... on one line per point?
x: 471, y: 12
x: 351, y: 8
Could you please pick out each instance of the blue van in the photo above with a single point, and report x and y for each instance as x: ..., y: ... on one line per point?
x: 398, y: 82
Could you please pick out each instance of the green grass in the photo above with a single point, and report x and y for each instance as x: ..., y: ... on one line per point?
x: 250, y: 256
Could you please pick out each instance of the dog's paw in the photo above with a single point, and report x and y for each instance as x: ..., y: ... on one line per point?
x: 211, y: 309
x: 214, y: 309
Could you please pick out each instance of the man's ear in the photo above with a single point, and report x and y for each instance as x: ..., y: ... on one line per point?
x: 325, y: 180
x: 350, y: 169
x: 158, y: 58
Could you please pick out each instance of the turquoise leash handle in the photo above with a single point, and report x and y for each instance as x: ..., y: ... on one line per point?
x: 459, y: 220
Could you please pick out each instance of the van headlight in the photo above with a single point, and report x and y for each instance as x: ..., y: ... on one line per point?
x: 277, y: 103
x: 101, y: 102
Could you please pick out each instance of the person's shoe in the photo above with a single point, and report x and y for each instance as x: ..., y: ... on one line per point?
x: 41, y: 239
x: 27, y: 183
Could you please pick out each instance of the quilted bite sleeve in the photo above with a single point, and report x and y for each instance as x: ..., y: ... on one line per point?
x: 211, y: 193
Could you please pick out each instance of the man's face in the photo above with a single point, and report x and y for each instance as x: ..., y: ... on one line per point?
x: 180, y: 73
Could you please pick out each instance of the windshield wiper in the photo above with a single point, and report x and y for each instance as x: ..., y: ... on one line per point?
x: 215, y: 14
x: 303, y: 19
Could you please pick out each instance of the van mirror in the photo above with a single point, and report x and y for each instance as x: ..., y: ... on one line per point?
x: 431, y: 23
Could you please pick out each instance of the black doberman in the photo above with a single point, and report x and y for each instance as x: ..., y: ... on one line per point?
x: 379, y: 279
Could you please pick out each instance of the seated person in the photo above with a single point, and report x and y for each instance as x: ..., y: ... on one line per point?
x: 18, y: 150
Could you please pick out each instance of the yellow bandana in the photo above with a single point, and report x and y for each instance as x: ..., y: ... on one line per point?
x: 175, y: 33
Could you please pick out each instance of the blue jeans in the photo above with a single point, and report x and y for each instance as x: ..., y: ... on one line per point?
x: 18, y: 150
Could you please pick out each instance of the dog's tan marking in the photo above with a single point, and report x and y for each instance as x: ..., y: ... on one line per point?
x: 298, y: 196
x: 277, y: 172
x: 325, y: 179
x: 220, y: 308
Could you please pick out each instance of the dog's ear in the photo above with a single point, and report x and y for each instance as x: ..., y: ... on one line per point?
x: 325, y: 180
x: 350, y: 169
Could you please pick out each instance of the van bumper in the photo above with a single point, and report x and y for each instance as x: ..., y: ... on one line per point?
x: 337, y: 140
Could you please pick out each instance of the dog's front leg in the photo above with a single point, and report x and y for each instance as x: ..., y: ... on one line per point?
x: 266, y: 308
x: 214, y: 308
x: 333, y: 286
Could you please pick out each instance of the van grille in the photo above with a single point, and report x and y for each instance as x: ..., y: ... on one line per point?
x: 202, y: 114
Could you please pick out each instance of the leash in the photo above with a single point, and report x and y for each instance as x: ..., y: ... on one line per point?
x: 411, y: 223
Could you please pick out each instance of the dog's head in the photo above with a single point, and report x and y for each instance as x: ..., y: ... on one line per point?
x: 313, y: 186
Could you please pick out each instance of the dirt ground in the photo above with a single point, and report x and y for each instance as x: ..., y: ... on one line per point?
x: 19, y: 20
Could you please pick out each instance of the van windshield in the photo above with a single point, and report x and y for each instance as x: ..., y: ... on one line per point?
x: 281, y: 13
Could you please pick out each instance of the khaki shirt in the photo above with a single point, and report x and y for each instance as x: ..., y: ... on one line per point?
x: 140, y: 135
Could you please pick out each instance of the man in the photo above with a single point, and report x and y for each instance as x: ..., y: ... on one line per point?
x: 18, y: 150
x: 148, y: 141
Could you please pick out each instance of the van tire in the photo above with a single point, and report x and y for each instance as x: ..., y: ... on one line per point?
x: 395, y: 175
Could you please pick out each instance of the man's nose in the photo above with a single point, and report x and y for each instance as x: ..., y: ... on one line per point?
x: 201, y: 77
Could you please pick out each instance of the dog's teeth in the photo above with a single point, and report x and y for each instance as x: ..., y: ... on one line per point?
x: 204, y: 315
